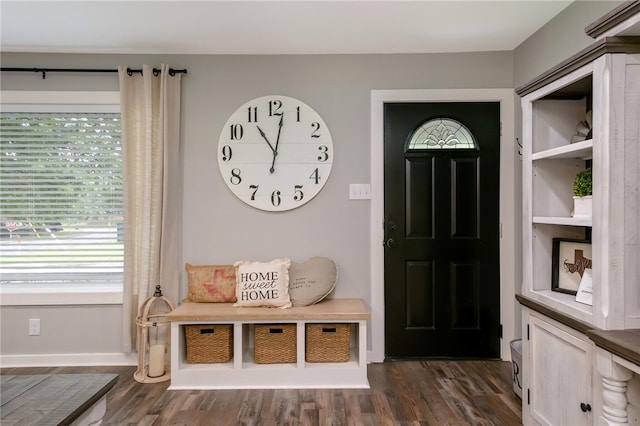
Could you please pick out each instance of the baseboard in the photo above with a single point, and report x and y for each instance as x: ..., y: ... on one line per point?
x: 68, y: 360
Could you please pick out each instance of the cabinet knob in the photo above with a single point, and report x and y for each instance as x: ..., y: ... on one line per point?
x: 585, y: 407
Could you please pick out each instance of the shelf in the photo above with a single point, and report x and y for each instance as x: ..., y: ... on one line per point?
x: 565, y: 303
x: 582, y: 150
x: 570, y: 221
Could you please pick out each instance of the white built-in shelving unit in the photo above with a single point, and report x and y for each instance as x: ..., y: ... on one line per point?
x: 561, y: 385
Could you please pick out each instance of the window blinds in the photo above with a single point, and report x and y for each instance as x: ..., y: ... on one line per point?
x: 61, y: 198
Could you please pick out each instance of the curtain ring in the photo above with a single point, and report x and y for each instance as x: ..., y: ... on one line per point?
x: 129, y: 72
x: 172, y: 72
x: 156, y: 72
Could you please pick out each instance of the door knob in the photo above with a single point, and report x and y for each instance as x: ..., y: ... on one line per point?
x: 390, y: 243
x: 585, y: 407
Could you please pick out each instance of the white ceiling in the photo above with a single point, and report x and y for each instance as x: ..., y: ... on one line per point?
x: 270, y: 27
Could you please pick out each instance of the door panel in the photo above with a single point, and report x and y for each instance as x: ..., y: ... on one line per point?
x: 464, y: 203
x: 420, y: 214
x: 442, y: 290
x: 420, y: 285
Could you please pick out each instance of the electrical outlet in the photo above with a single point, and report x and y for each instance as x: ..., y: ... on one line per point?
x: 34, y: 327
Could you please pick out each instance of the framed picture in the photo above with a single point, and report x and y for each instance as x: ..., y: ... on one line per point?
x: 569, y: 260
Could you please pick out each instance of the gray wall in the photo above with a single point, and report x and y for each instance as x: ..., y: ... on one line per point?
x: 558, y: 39
x: 218, y: 228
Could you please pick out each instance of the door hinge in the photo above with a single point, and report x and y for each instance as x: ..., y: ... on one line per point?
x: 500, y: 331
x: 528, y: 397
x: 500, y: 229
x: 528, y: 332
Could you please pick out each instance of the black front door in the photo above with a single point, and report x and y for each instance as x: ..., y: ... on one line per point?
x: 442, y: 279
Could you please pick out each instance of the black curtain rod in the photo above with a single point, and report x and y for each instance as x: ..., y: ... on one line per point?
x: 130, y: 71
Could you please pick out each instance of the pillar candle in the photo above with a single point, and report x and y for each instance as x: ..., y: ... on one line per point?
x: 156, y: 360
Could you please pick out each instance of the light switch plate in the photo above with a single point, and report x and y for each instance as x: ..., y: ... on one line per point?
x: 359, y: 191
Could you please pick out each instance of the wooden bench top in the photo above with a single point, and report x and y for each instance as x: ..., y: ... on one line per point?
x: 329, y: 309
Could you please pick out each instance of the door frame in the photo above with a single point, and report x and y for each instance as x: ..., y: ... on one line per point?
x: 510, y: 205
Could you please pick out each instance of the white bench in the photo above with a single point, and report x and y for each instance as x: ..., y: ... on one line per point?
x: 243, y: 373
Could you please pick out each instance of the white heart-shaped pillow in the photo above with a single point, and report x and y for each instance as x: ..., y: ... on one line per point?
x: 312, y: 280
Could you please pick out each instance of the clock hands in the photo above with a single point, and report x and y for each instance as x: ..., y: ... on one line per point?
x: 275, y: 151
x: 265, y: 138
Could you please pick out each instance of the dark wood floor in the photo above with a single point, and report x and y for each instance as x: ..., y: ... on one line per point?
x: 402, y: 393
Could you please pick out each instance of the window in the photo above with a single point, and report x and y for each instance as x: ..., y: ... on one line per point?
x: 442, y: 133
x: 61, y: 191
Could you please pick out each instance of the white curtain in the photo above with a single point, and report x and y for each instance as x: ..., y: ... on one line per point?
x: 150, y: 111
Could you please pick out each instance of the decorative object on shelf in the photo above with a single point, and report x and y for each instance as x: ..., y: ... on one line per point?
x: 585, y: 291
x: 570, y: 258
x: 275, y: 153
x: 312, y: 280
x: 582, y: 191
x: 584, y: 129
x: 153, y: 337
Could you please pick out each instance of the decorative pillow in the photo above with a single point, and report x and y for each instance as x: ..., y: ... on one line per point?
x: 211, y: 283
x: 312, y: 280
x: 263, y: 283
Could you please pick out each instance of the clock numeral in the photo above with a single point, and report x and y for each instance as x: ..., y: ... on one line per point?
x: 235, y: 177
x: 315, y: 176
x: 274, y: 107
x: 324, y: 153
x: 253, y: 114
x: 237, y: 132
x: 316, y: 129
x: 227, y: 153
x: 298, y: 114
x: 298, y: 195
x: 275, y: 198
x: 253, y: 194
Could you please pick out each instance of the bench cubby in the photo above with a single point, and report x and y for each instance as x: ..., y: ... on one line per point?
x: 242, y: 372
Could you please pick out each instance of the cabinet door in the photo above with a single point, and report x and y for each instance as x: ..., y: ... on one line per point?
x: 561, y: 373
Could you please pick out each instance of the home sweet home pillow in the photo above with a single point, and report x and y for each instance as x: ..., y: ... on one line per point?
x: 211, y: 283
x: 312, y: 280
x: 263, y: 283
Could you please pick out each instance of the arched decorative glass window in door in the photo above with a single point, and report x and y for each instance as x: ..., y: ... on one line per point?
x: 442, y: 133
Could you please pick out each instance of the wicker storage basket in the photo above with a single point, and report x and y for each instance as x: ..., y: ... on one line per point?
x: 327, y: 342
x: 209, y: 343
x: 275, y: 343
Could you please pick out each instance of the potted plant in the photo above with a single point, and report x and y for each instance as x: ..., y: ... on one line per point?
x: 582, y: 191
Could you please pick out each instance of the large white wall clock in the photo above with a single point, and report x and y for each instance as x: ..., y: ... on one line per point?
x: 275, y: 153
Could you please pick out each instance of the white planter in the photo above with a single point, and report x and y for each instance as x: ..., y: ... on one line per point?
x: 582, y: 206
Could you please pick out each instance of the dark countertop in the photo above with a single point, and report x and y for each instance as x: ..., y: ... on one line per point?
x: 623, y: 343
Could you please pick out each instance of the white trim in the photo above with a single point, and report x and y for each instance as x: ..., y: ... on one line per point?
x: 63, y: 294
x: 508, y: 200
x: 71, y: 360
x: 60, y: 101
